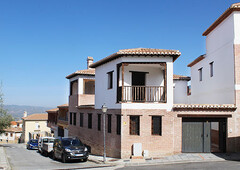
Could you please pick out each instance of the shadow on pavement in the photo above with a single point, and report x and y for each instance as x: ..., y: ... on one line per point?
x: 228, y: 156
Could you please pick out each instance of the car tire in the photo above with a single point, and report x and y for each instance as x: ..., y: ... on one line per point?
x: 85, y: 159
x: 64, y: 159
x: 53, y: 156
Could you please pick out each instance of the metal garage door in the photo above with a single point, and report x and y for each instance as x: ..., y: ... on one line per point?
x: 196, y: 136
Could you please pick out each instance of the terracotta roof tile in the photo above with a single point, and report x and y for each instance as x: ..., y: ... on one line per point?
x: 179, y: 77
x: 90, y: 72
x: 13, y: 123
x: 137, y: 51
x: 63, y: 105
x: 37, y: 116
x: 12, y: 129
x: 204, y: 106
x: 52, y: 110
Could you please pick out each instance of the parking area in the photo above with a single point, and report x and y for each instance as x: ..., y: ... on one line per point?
x: 20, y: 158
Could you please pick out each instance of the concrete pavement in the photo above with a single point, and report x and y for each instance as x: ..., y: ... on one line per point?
x: 4, y: 164
x: 178, y: 158
x: 113, y: 163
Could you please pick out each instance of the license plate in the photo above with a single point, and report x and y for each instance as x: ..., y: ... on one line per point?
x: 78, y: 154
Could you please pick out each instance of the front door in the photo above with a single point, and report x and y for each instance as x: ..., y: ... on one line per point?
x: 138, y: 86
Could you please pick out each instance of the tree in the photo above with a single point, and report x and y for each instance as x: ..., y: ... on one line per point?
x: 5, y: 118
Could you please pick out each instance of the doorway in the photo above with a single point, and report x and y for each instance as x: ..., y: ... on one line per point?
x: 138, y: 86
x: 204, y: 135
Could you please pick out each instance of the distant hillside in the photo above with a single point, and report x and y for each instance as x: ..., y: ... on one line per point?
x: 17, y: 111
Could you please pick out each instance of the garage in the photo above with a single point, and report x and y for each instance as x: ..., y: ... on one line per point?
x: 204, y: 135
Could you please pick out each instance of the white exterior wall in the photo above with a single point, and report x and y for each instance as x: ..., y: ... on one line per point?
x: 236, y: 15
x: 218, y: 89
x: 109, y: 96
x: 180, y: 92
x: 15, y: 135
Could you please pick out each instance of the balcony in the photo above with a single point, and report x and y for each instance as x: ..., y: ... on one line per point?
x: 143, y: 94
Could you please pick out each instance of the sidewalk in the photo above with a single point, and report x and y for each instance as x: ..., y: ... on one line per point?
x: 178, y: 158
x: 4, y: 164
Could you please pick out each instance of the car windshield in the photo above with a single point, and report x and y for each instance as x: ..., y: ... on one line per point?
x: 45, y: 140
x: 73, y: 142
x: 34, y: 141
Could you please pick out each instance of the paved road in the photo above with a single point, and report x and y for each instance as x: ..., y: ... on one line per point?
x: 224, y: 165
x: 22, y: 159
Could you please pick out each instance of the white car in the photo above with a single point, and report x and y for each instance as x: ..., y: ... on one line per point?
x: 45, y: 145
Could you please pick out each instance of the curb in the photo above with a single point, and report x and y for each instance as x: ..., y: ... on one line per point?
x: 7, y: 166
x: 173, y: 162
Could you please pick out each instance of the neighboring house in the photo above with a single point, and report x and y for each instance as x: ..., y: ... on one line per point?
x: 35, y: 126
x: 215, y: 88
x: 58, y: 120
x: 215, y: 75
x: 13, y: 133
x: 147, y: 89
x: 150, y: 111
x: 52, y: 121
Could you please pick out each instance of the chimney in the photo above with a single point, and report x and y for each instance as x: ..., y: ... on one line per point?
x: 25, y: 114
x: 89, y: 62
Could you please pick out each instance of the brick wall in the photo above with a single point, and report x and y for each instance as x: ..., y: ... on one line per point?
x: 93, y: 137
x: 233, y: 140
x: 168, y: 143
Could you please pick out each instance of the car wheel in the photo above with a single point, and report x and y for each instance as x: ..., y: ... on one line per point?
x: 53, y: 156
x: 64, y: 159
x: 85, y: 159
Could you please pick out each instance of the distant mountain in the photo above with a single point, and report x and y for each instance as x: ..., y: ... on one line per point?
x: 17, y: 110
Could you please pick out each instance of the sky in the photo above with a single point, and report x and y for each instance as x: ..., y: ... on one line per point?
x: 43, y: 41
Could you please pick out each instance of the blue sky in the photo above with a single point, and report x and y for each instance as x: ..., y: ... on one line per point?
x: 42, y: 41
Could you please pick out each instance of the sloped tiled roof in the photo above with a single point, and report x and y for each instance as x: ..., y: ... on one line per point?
x: 52, y: 110
x: 138, y: 51
x: 179, y: 77
x: 233, y: 7
x: 63, y: 106
x: 12, y: 129
x: 200, y: 58
x: 37, y: 116
x: 89, y: 72
x: 13, y: 123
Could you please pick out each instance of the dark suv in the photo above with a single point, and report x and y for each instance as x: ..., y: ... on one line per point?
x: 69, y: 148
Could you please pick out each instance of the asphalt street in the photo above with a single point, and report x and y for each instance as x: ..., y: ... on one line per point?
x: 22, y: 159
x: 224, y: 165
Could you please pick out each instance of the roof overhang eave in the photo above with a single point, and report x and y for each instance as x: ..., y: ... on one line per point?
x: 116, y: 55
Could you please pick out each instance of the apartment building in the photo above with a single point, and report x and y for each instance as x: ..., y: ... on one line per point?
x: 150, y: 112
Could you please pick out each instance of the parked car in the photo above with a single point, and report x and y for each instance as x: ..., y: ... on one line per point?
x: 45, y: 145
x: 32, y: 144
x: 69, y: 149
